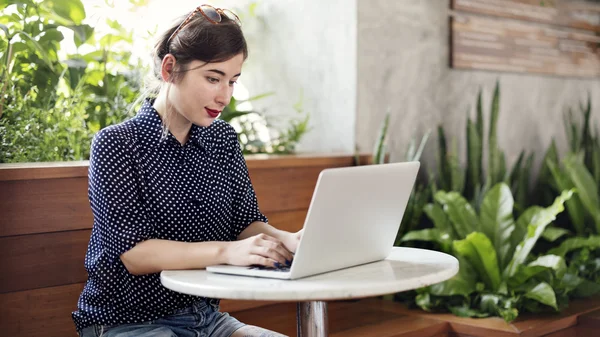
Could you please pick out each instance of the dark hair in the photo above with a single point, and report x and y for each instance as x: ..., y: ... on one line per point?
x: 200, y: 40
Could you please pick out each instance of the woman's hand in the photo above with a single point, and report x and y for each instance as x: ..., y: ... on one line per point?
x: 260, y: 249
x: 291, y: 240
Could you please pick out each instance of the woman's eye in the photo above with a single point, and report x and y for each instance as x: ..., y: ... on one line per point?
x: 212, y: 80
x: 232, y: 83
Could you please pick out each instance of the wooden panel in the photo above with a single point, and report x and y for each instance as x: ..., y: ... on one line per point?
x: 47, y: 312
x: 47, y: 205
x: 41, y: 312
x: 232, y: 306
x: 52, y: 205
x: 53, y: 259
x: 303, y: 160
x: 355, y: 318
x: 569, y: 13
x: 591, y: 320
x: 576, y: 331
x: 43, y: 170
x: 290, y: 221
x: 42, y: 260
x: 502, y: 45
x: 285, y: 189
x: 74, y: 169
x: 527, y: 325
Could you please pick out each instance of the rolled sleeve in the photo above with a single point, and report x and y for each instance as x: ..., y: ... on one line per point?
x: 115, y: 197
x: 245, y: 203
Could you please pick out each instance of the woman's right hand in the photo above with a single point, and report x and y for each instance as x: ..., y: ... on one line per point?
x: 260, y: 249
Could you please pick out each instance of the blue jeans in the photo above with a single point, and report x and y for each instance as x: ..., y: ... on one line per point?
x: 199, y: 320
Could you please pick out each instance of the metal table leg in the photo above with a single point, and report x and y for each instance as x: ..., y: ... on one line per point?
x: 312, y: 319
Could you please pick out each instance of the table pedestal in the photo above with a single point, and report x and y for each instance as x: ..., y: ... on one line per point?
x: 312, y: 319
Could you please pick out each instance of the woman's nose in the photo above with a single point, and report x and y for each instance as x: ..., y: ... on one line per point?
x: 224, y: 95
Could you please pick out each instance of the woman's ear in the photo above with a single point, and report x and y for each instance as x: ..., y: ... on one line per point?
x: 166, y: 68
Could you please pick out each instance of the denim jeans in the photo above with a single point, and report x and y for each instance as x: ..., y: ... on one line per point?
x: 199, y: 320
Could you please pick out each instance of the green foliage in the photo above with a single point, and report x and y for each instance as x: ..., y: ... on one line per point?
x: 30, y: 133
x: 475, y: 179
x: 50, y: 107
x: 248, y: 122
x: 504, y: 269
x: 579, y: 169
x: 498, y: 275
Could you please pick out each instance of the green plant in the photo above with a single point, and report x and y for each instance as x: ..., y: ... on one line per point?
x: 49, y: 106
x: 475, y: 179
x: 249, y: 122
x: 421, y: 193
x: 53, y: 102
x: 582, y: 140
x: 584, y: 208
x: 580, y: 169
x: 29, y: 133
x: 498, y: 275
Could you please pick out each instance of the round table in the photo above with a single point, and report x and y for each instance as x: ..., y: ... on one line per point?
x: 404, y: 269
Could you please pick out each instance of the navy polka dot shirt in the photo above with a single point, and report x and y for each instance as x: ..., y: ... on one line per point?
x: 145, y: 186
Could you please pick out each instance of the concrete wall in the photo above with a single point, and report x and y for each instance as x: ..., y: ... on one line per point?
x: 403, y: 53
x: 306, y: 49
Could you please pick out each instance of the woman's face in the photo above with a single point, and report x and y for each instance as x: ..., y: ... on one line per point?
x: 205, y: 89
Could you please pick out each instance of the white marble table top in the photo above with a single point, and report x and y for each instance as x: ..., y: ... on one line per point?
x: 404, y: 269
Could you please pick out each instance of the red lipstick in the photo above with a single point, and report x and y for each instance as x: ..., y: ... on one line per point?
x: 212, y: 113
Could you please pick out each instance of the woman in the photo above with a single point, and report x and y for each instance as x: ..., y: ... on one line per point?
x: 169, y: 189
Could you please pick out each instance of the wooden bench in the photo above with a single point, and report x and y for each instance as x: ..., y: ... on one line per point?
x: 45, y: 224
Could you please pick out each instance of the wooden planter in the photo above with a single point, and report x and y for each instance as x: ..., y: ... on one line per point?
x: 380, y: 318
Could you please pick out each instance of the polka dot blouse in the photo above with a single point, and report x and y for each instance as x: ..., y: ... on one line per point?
x: 145, y: 186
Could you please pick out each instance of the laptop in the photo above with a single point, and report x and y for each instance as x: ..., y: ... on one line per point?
x: 353, y: 219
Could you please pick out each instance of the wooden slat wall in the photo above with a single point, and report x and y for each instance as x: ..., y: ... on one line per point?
x: 45, y: 223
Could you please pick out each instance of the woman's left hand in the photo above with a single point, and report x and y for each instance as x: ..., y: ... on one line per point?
x: 291, y: 240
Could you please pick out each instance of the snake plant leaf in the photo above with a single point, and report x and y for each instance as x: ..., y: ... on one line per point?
x: 474, y: 159
x: 497, y: 222
x: 445, y: 176
x: 587, y: 191
x: 493, y: 151
x: 379, y: 153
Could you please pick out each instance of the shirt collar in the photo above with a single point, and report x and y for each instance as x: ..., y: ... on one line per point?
x: 151, y: 125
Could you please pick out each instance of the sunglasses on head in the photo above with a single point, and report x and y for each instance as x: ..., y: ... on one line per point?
x: 212, y: 14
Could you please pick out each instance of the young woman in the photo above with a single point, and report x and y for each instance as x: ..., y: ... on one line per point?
x: 169, y: 189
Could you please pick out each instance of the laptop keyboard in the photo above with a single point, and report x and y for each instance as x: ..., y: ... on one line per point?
x: 282, y: 268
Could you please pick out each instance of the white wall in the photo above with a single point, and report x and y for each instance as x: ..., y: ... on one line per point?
x: 307, y: 48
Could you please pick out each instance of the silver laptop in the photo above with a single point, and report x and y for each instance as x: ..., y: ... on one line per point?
x: 353, y: 219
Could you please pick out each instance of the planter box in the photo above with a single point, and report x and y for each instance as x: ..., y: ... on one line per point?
x: 381, y: 318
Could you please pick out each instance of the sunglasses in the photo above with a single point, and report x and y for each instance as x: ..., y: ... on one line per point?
x: 212, y: 14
